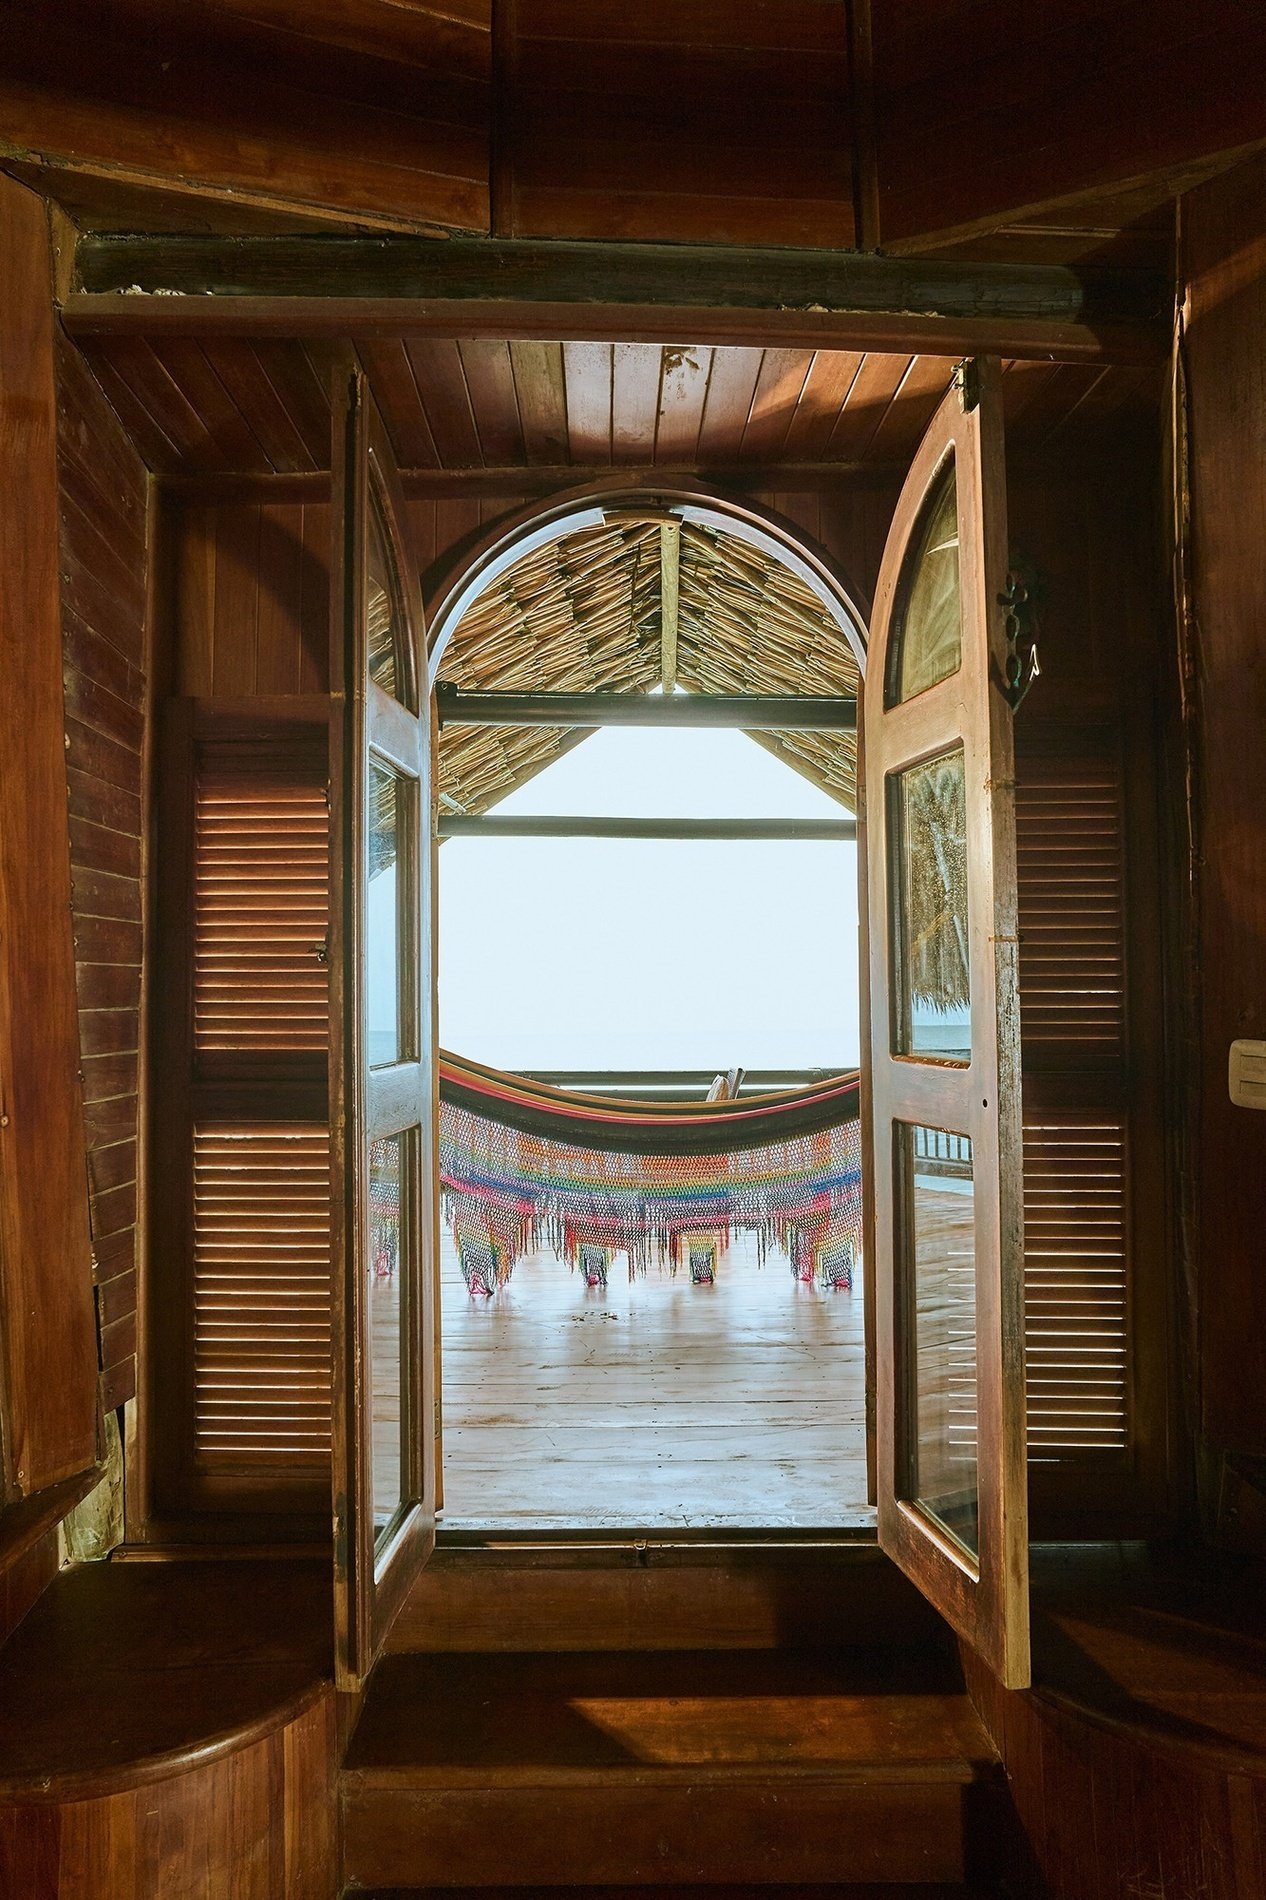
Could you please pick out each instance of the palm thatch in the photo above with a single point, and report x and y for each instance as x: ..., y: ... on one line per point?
x: 583, y: 614
x: 934, y: 875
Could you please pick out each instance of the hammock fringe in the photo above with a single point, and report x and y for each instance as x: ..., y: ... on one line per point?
x: 511, y: 1189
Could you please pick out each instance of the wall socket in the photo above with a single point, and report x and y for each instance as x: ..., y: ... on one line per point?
x: 1247, y: 1074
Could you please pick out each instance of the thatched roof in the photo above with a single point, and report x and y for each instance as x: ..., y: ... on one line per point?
x: 584, y: 614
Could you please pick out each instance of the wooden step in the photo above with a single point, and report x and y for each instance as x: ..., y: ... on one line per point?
x: 867, y: 1890
x: 662, y: 1594
x: 642, y: 1769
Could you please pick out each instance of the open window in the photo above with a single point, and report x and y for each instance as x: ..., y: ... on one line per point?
x: 382, y: 1069
x: 945, y: 1124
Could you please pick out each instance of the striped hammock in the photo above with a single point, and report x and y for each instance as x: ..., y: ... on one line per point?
x: 524, y: 1166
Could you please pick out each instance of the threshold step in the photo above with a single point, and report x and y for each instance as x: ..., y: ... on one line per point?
x: 922, y: 1890
x: 636, y: 1769
x: 662, y: 1594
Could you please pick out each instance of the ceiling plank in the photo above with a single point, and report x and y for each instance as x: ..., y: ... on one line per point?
x: 630, y: 293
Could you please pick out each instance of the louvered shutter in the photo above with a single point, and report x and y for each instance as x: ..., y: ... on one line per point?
x: 260, y: 1168
x: 1070, y: 847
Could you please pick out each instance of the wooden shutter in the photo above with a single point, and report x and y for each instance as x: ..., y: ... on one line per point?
x: 241, y: 1360
x: 1072, y: 906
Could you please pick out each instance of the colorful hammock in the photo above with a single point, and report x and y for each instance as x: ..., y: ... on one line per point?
x: 524, y: 1166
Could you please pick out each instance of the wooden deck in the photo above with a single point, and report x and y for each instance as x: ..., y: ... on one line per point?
x: 657, y: 1405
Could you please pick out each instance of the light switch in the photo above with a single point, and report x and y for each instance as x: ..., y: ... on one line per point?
x: 1248, y: 1074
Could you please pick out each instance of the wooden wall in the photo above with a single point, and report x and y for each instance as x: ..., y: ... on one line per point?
x: 1224, y: 258
x: 375, y: 112
x: 806, y: 122
x: 697, y: 119
x: 104, y: 566
x: 249, y: 610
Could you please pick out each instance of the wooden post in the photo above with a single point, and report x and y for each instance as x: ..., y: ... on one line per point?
x: 669, y: 590
x: 49, y: 1405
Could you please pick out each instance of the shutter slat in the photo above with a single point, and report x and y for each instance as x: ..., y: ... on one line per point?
x: 261, y: 1292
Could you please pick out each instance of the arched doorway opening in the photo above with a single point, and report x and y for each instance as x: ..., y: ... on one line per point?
x: 741, y: 1384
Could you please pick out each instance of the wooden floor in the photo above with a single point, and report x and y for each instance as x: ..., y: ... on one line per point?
x: 657, y: 1405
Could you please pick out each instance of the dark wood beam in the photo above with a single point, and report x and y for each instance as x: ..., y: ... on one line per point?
x: 745, y: 712
x: 323, y: 285
x: 665, y: 830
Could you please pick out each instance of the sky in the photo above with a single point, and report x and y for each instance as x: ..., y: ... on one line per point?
x: 622, y: 954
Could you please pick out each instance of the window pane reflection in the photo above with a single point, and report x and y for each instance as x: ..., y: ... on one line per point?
x: 383, y: 629
x: 932, y: 978
x: 382, y: 920
x: 388, y: 1213
x: 925, y: 644
x: 938, y: 1252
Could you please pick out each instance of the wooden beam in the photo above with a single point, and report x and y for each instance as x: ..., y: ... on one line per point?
x: 48, y: 1335
x: 669, y: 600
x: 325, y: 285
x: 746, y: 712
x: 666, y: 830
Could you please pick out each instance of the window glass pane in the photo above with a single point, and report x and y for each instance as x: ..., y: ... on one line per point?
x: 938, y: 1251
x: 388, y: 1212
x: 925, y: 641
x: 384, y: 623
x: 382, y: 919
x: 931, y: 981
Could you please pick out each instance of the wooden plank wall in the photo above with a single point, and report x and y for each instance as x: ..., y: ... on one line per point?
x: 1224, y: 255
x: 671, y: 120
x: 990, y: 111
x: 376, y: 113
x: 103, y: 523
x: 676, y: 119
x: 250, y: 605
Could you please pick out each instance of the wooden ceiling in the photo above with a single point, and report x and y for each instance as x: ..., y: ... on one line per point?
x: 583, y: 614
x: 230, y: 406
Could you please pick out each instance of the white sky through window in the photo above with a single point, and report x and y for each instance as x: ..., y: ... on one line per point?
x: 619, y: 954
